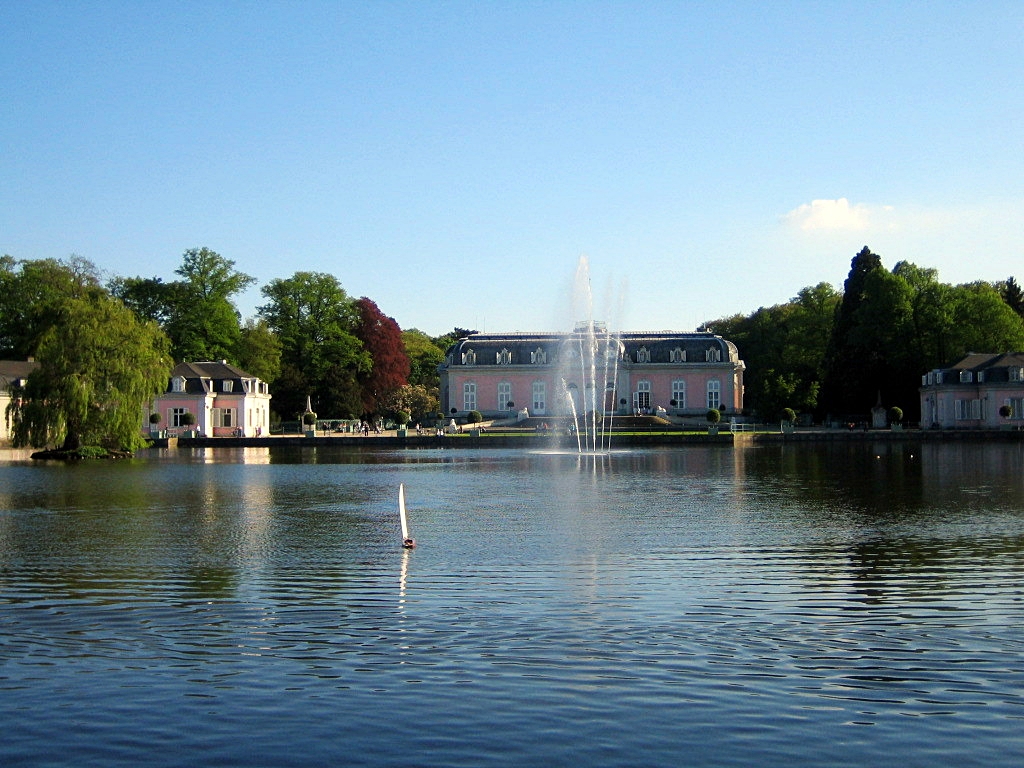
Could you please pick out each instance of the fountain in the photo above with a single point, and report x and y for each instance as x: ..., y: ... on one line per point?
x: 588, y: 370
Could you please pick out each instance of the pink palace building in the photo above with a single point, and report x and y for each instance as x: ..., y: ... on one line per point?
x: 590, y: 369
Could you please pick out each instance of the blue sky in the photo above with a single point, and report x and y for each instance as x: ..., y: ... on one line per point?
x: 454, y: 160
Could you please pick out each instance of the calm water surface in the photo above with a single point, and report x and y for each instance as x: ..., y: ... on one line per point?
x: 842, y: 605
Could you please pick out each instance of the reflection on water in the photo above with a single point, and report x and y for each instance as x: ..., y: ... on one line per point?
x: 840, y: 605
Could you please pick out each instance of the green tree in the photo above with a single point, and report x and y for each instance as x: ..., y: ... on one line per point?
x: 202, y: 320
x: 424, y: 357
x: 314, y: 319
x: 849, y: 378
x: 783, y: 348
x: 148, y: 297
x: 1012, y: 294
x: 259, y: 350
x: 99, y: 366
x: 31, y: 295
x: 982, y: 321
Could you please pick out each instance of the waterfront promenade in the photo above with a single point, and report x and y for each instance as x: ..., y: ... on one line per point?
x: 505, y: 438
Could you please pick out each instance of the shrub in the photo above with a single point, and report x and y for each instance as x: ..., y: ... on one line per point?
x: 1005, y: 411
x: 714, y: 416
x: 789, y: 415
x: 188, y: 419
x: 895, y: 414
x: 154, y: 418
x: 474, y: 417
x: 309, y: 418
x: 402, y: 417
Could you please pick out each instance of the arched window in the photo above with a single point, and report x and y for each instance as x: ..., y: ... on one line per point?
x: 178, y: 384
x: 643, y: 355
x: 642, y: 397
x: 540, y: 403
x: 679, y: 393
x: 469, y: 357
x: 504, y: 357
x: 540, y: 357
x: 678, y: 355
x: 714, y: 355
x: 714, y: 394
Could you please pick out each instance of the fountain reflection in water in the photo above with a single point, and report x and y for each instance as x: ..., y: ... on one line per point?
x: 589, y: 370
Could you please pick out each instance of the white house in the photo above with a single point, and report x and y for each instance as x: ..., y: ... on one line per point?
x: 970, y: 394
x: 225, y: 401
x: 12, y: 373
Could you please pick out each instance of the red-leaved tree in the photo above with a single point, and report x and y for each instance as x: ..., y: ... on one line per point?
x: 382, y: 338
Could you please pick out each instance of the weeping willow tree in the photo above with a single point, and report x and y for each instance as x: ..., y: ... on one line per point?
x: 99, y: 366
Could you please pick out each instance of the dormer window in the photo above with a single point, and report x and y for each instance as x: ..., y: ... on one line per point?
x: 178, y: 384
x: 965, y: 377
x: 540, y: 357
x: 714, y: 355
x: 227, y: 385
x: 469, y: 357
x: 643, y: 355
x: 678, y: 355
x: 1017, y: 374
x: 504, y: 357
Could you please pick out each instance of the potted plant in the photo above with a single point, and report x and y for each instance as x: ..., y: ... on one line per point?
x: 788, y: 424
x: 154, y: 420
x: 713, y: 416
x: 896, y: 419
x: 402, y: 417
x: 188, y: 420
x: 309, y: 422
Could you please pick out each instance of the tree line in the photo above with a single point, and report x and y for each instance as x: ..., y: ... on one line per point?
x: 835, y: 355
x: 106, y: 347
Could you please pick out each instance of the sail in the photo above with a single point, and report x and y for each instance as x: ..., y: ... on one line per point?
x: 401, y: 511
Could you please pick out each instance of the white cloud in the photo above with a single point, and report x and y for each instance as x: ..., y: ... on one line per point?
x: 831, y: 215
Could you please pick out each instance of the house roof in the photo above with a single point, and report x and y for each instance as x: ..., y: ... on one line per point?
x: 982, y: 361
x: 13, y: 370
x: 660, y: 344
x: 199, y: 376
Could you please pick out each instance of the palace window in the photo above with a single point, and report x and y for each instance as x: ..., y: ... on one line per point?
x: 1017, y: 374
x: 469, y: 396
x: 642, y: 396
x: 469, y: 357
x: 178, y: 384
x: 643, y: 355
x: 504, y: 357
x: 965, y: 377
x: 714, y: 394
x: 227, y: 386
x: 678, y: 355
x: 679, y: 393
x: 175, y: 416
x: 504, y: 395
x: 540, y: 357
x: 540, y: 403
x: 714, y: 355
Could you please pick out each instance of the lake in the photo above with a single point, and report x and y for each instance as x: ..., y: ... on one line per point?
x: 844, y: 604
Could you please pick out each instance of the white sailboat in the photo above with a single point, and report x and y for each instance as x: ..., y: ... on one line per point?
x: 407, y: 541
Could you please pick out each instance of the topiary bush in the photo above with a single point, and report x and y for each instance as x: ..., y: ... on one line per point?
x: 714, y: 416
x: 474, y: 417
